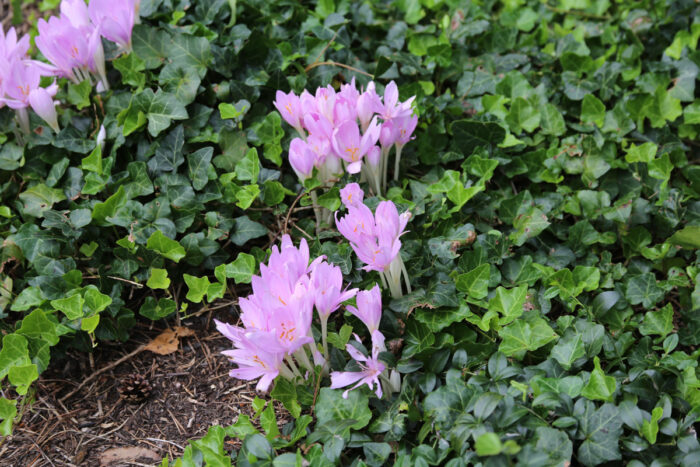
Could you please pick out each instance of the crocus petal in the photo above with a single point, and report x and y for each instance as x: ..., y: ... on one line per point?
x: 44, y: 106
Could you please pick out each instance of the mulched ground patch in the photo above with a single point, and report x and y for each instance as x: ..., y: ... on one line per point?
x: 191, y: 391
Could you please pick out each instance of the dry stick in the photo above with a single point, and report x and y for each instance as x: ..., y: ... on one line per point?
x: 135, y: 284
x: 342, y: 65
x: 102, y: 370
x: 289, y: 213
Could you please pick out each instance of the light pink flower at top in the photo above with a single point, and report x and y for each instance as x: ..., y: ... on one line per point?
x: 325, y: 101
x: 327, y: 286
x: 369, y: 307
x: 349, y: 92
x: 371, y: 368
x: 392, y: 107
x: 389, y: 224
x: 76, y: 11
x: 114, y: 19
x: 11, y: 48
x: 351, y: 194
x: 368, y: 104
x: 343, y: 111
x: 289, y: 107
x: 22, y: 90
x: 291, y: 323
x: 318, y: 126
x: 349, y: 146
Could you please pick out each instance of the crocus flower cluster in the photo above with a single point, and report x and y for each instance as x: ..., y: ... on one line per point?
x: 276, y: 337
x: 72, y: 41
x: 375, y: 237
x: 19, y: 82
x: 340, y: 130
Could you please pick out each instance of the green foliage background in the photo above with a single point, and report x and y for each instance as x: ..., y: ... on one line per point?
x: 555, y: 188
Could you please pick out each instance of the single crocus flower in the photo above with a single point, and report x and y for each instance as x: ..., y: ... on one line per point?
x: 302, y: 158
x: 114, y: 19
x: 351, y: 195
x: 327, y: 287
x: 289, y: 107
x: 257, y: 356
x: 350, y: 147
x: 22, y: 90
x: 371, y: 369
x: 369, y: 307
x: 392, y: 107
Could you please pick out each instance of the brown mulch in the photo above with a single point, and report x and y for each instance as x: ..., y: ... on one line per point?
x: 191, y: 392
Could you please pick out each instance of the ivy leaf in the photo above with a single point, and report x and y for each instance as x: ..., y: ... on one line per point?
x: 71, y: 306
x: 165, y: 246
x: 658, y: 322
x: 198, y: 287
x: 241, y: 270
x: 509, y: 303
x: 8, y: 411
x: 521, y: 336
x: 488, y: 444
x: 600, y: 386
x: 475, y: 282
x: 332, y: 407
x: 650, y: 428
x: 158, y: 279
x: 198, y: 164
x: 602, y: 429
x: 643, y: 289
x: 248, y: 168
x: 522, y: 116
x: 285, y: 392
x: 568, y: 349
x: 39, y: 198
x: 472, y: 134
x: 246, y: 229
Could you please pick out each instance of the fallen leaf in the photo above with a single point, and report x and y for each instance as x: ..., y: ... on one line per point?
x: 167, y: 341
x: 127, y: 454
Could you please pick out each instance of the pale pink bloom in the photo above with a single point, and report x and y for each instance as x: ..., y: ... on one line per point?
x: 318, y: 126
x: 289, y: 107
x: 327, y: 286
x: 357, y: 224
x: 343, y: 111
x: 114, y: 19
x: 76, y: 11
x: 371, y: 368
x: 349, y: 92
x: 308, y: 103
x: 302, y: 158
x: 11, y: 48
x: 291, y: 323
x: 404, y: 128
x: 351, y: 194
x: 22, y: 90
x: 350, y: 146
x: 390, y: 225
x: 257, y: 356
x: 320, y: 146
x: 387, y: 135
x: 374, y: 156
x: 368, y: 104
x: 369, y: 307
x: 392, y: 107
x: 325, y: 101
x: 376, y: 255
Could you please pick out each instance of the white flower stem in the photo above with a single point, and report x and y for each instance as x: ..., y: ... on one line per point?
x: 405, y: 274
x: 292, y: 365
x: 23, y: 118
x: 303, y: 359
x: 317, y: 210
x: 324, y: 335
x: 285, y: 371
x: 396, y: 162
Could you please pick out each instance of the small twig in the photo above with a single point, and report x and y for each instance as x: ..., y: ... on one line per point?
x: 135, y: 284
x: 342, y: 65
x: 289, y: 213
x: 102, y: 370
x: 325, y: 48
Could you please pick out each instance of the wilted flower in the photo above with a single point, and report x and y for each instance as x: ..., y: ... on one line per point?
x: 371, y: 368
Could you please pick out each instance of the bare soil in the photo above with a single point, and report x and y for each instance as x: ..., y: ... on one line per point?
x: 191, y: 392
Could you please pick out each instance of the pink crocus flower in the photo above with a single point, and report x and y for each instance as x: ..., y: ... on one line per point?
x: 327, y: 286
x: 257, y: 355
x: 368, y: 104
x: 21, y: 87
x: 325, y: 101
x: 302, y: 158
x: 351, y: 195
x: 11, y: 48
x: 114, y: 19
x: 291, y: 323
x: 369, y: 307
x: 404, y: 128
x: 289, y: 107
x: 350, y: 147
x: 371, y: 368
x: 349, y: 92
x: 356, y: 224
x: 392, y: 107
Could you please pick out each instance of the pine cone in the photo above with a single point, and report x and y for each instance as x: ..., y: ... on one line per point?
x: 134, y: 388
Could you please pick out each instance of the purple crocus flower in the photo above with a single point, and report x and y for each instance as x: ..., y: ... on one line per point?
x: 327, y: 286
x: 302, y: 158
x: 371, y: 368
x: 392, y: 107
x: 351, y: 195
x: 349, y: 146
x: 114, y: 19
x: 369, y: 307
x: 21, y: 87
x: 289, y: 107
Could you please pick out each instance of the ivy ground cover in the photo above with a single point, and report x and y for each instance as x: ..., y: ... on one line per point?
x: 553, y: 185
